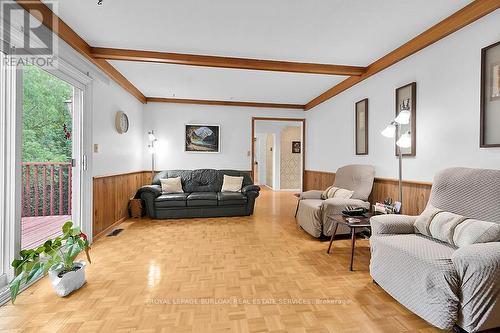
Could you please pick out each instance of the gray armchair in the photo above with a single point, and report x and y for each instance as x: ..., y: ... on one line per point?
x: 312, y: 210
x: 444, y: 284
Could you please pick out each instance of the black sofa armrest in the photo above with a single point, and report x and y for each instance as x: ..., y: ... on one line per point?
x: 155, y: 190
x: 250, y: 188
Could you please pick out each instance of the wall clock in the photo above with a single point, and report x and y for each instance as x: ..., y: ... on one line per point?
x: 121, y: 122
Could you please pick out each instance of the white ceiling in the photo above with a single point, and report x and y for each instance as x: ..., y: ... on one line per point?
x: 163, y: 80
x: 351, y: 32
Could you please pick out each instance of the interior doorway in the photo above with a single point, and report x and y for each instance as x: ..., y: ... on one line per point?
x: 278, y: 152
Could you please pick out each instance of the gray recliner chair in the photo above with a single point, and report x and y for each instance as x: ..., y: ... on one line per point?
x: 444, y: 265
x: 313, y: 210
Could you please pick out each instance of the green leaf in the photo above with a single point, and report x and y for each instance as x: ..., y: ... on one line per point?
x: 56, y: 266
x: 76, y: 231
x: 48, y: 244
x: 36, y: 271
x: 17, y: 262
x: 67, y: 227
x: 14, y: 286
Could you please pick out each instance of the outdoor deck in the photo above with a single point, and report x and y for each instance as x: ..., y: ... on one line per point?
x: 37, y: 229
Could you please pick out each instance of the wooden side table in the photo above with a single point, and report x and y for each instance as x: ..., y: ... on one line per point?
x: 364, y: 222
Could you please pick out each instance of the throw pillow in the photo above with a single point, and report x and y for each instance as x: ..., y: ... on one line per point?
x: 455, y: 229
x: 343, y: 193
x: 335, y: 192
x: 423, y: 221
x: 232, y: 184
x: 474, y: 231
x: 443, y: 226
x: 171, y: 185
x: 324, y: 195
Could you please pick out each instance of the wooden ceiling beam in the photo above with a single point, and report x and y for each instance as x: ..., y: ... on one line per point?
x: 224, y: 62
x: 49, y: 19
x: 224, y: 103
x: 465, y: 16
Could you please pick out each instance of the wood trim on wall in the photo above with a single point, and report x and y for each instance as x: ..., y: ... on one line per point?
x: 465, y: 16
x: 303, y: 143
x: 415, y: 193
x: 224, y: 103
x: 224, y: 62
x: 111, y: 195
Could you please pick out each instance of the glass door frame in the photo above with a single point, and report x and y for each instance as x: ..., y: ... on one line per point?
x: 10, y: 161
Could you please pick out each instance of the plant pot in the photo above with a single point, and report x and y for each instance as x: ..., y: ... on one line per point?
x: 70, y: 281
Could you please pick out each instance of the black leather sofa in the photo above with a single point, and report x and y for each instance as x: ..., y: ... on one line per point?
x: 202, y: 195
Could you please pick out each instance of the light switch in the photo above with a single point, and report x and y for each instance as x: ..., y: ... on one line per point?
x: 96, y: 148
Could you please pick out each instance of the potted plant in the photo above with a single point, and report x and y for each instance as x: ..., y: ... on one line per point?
x: 55, y: 257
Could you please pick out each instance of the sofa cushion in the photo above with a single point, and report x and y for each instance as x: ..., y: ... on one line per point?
x: 418, y: 272
x: 171, y: 200
x: 202, y: 199
x: 231, y: 198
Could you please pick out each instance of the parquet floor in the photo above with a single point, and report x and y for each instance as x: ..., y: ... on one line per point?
x: 158, y: 276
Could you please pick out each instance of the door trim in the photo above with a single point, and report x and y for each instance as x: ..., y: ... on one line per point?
x: 303, y: 120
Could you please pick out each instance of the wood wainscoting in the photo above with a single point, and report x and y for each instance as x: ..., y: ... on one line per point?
x: 111, y: 197
x: 415, y: 194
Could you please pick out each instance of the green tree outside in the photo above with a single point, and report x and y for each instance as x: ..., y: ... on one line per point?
x: 44, y: 116
x: 46, y: 137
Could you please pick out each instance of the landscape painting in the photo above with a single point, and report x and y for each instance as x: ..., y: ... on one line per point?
x: 202, y: 138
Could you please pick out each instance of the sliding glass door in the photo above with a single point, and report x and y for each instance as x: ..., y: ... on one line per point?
x: 49, y: 172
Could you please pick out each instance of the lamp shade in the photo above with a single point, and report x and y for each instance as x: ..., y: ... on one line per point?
x: 151, y: 149
x: 403, y: 117
x: 151, y: 136
x: 404, y: 141
x: 389, y: 131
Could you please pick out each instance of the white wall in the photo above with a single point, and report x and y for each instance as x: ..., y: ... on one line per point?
x: 118, y: 153
x: 168, y: 120
x: 448, y: 88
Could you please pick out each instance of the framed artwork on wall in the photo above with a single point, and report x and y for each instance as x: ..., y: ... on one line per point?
x: 406, y: 100
x: 361, y: 110
x: 490, y: 96
x: 202, y: 138
x: 296, y: 147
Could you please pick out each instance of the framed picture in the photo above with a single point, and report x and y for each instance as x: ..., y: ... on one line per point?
x: 202, y: 138
x: 296, y: 147
x: 406, y: 99
x: 361, y: 110
x: 490, y: 96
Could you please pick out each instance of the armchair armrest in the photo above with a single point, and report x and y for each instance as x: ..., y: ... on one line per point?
x: 478, y: 268
x: 393, y: 224
x: 312, y: 194
x: 155, y: 190
x: 334, y: 206
x: 250, y: 188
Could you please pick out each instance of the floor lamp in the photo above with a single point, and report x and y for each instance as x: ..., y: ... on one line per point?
x: 151, y: 148
x: 404, y: 140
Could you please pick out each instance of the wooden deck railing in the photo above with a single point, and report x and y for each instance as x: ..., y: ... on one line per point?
x: 46, y: 189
